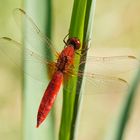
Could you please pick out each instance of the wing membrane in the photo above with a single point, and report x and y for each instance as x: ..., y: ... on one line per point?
x: 110, y: 65
x: 33, y: 35
x: 101, y: 84
x: 13, y: 50
x: 96, y: 83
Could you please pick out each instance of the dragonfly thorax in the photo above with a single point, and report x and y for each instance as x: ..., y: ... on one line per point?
x: 65, y: 59
x: 62, y: 64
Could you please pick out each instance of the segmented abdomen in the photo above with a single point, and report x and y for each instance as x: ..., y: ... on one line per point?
x: 49, y: 97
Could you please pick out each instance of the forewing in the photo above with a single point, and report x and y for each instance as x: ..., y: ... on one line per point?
x: 32, y: 33
x: 110, y: 65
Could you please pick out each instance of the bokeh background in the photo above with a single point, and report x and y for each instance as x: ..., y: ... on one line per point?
x: 116, y: 32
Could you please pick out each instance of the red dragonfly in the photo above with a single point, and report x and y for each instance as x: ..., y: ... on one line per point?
x: 64, y: 64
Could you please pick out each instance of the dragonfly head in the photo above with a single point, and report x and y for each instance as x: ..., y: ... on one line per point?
x: 75, y: 42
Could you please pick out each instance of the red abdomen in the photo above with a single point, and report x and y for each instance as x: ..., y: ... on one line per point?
x: 49, y: 97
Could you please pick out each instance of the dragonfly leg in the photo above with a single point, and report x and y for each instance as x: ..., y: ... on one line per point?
x: 64, y: 40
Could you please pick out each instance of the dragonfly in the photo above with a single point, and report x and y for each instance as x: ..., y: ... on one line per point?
x: 64, y: 63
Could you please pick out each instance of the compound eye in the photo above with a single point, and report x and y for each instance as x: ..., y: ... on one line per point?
x: 75, y: 42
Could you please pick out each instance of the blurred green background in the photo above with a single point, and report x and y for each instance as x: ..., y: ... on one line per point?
x: 116, y: 32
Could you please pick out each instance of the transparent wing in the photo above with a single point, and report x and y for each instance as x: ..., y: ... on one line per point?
x: 101, y: 84
x: 32, y: 34
x: 95, y: 83
x: 101, y: 71
x: 110, y: 65
x: 13, y: 50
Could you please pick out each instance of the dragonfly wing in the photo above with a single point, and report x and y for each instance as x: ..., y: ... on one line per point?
x: 95, y: 83
x: 13, y: 51
x: 33, y: 34
x: 110, y: 65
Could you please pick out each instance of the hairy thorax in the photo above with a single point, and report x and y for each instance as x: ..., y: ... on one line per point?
x: 65, y: 60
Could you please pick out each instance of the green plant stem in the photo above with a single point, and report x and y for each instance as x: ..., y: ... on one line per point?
x: 69, y: 90
x: 127, y: 108
x: 88, y: 24
x: 40, y: 12
x: 71, y: 98
x: 118, y: 128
